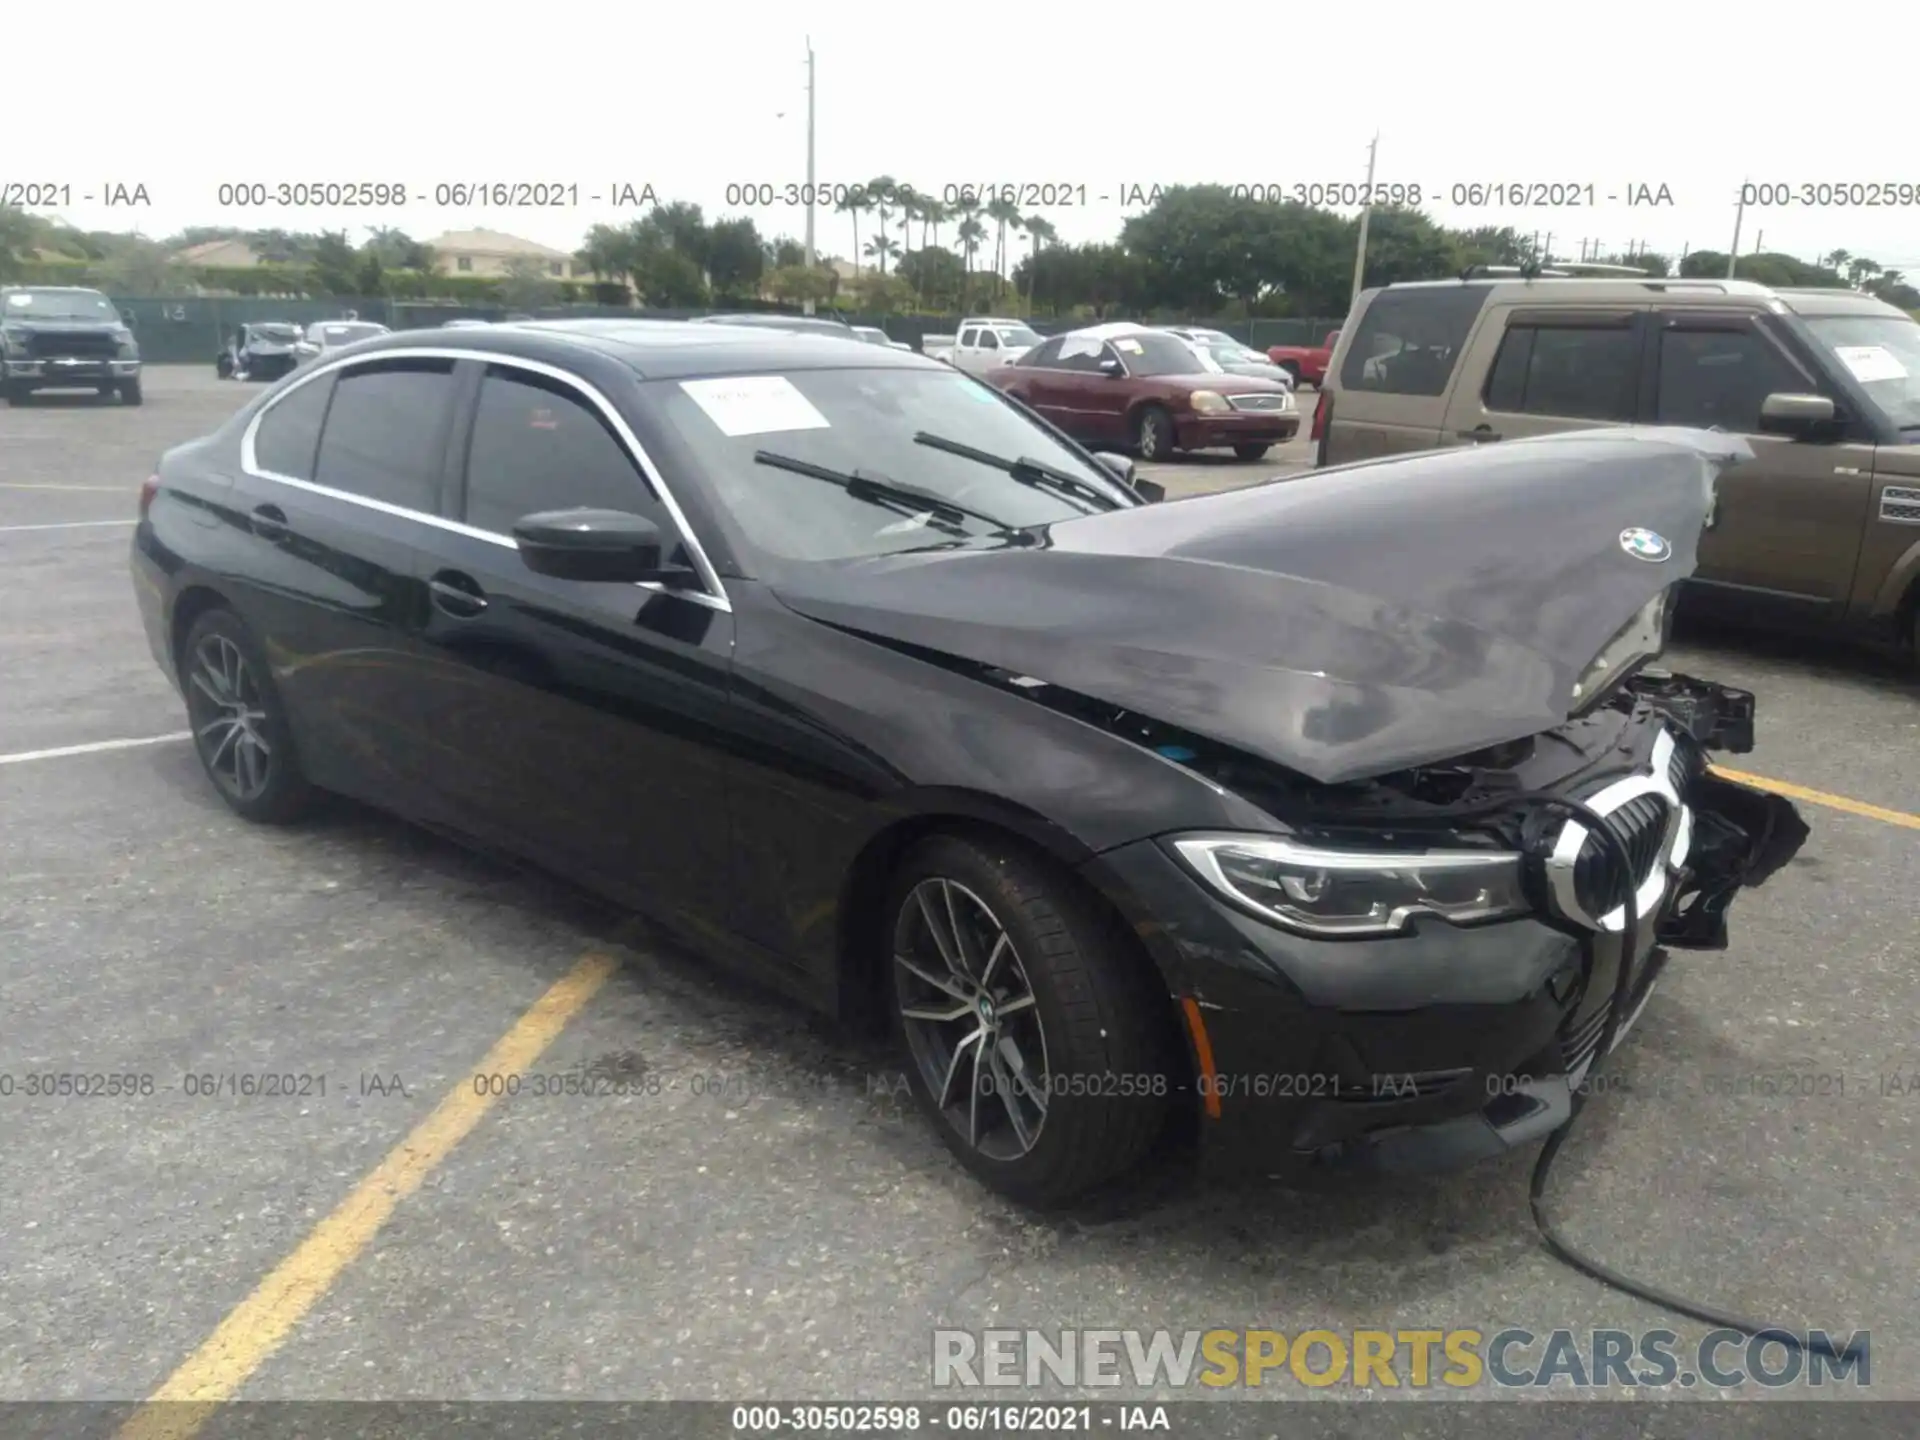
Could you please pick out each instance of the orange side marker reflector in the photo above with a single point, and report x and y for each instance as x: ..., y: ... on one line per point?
x: 1203, y: 1050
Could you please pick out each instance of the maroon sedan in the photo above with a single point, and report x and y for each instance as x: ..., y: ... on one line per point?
x: 1116, y: 386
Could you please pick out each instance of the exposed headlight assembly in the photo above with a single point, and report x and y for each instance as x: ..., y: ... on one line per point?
x: 1641, y: 638
x: 1209, y: 402
x: 1355, y: 892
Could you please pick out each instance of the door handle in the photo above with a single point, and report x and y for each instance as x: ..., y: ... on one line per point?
x: 270, y: 523
x: 456, y: 595
x: 1479, y: 435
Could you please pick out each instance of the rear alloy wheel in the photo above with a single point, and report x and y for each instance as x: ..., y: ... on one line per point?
x: 239, y: 728
x: 1250, y: 452
x: 1027, y: 1023
x: 1153, y: 433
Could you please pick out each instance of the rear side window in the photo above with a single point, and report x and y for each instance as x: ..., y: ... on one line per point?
x: 1720, y: 377
x: 538, y: 445
x: 1578, y: 372
x: 386, y: 432
x: 1409, y: 340
x: 289, y: 432
x: 968, y: 338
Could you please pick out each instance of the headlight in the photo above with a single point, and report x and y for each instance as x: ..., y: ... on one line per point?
x: 1353, y: 892
x: 1209, y: 402
x: 1641, y: 638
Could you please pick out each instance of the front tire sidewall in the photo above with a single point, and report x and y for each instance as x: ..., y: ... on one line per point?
x: 1094, y: 1014
x: 287, y: 794
x: 1153, y: 433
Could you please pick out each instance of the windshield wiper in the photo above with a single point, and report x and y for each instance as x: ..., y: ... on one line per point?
x: 1026, y: 471
x: 877, y: 489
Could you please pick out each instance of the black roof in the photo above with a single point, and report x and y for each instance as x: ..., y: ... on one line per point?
x: 660, y: 349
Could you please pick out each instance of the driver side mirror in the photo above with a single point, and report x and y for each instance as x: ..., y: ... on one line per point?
x: 1121, y: 467
x: 1111, y: 367
x: 592, y: 545
x: 1799, y: 416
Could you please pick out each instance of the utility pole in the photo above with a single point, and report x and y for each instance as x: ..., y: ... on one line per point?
x: 1759, y: 242
x: 1360, y: 258
x: 811, y: 258
x: 1739, y: 214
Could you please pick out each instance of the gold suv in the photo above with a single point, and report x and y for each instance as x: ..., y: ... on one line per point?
x: 1821, y: 529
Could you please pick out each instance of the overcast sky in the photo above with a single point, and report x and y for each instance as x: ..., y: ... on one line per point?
x: 690, y: 99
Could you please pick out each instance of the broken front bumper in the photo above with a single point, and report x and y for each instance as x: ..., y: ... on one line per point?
x: 1446, y: 1044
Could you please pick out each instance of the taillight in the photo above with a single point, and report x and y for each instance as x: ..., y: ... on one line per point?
x: 148, y: 489
x: 1322, y: 418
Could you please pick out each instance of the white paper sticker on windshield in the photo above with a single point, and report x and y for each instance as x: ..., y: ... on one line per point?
x: 1871, y: 362
x: 754, y: 404
x: 1132, y: 347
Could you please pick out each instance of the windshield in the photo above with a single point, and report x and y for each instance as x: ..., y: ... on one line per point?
x: 1014, y: 336
x: 339, y: 333
x: 1882, y: 352
x: 866, y: 421
x: 1152, y: 353
x: 1234, y: 353
x: 60, y: 305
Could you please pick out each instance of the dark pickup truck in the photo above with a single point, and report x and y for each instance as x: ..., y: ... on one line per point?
x: 60, y: 337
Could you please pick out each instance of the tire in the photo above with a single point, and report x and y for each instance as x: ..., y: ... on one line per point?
x: 1153, y: 433
x: 256, y: 770
x: 18, y: 394
x: 1094, y: 1016
x: 1250, y: 452
x: 130, y: 392
x: 223, y: 367
x: 1292, y: 368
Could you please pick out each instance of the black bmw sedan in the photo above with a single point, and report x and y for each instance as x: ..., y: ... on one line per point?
x: 1341, y: 820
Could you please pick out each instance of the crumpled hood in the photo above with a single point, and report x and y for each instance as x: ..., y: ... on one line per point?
x: 1344, y: 624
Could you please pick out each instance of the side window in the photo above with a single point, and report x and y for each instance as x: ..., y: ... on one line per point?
x: 1720, y: 377
x: 289, y: 432
x: 1576, y: 372
x: 1408, y: 340
x: 1107, y: 352
x: 1046, y: 356
x: 1081, y: 356
x: 538, y: 445
x: 969, y: 338
x: 386, y: 432
x: 989, y: 340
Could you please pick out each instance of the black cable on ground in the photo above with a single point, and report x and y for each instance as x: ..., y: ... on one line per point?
x: 1557, y: 1246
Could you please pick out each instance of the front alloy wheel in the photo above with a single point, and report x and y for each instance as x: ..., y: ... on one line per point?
x: 968, y: 1013
x: 1032, y: 1026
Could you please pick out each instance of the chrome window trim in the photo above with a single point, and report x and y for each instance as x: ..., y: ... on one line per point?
x: 1674, y: 846
x: 715, y: 595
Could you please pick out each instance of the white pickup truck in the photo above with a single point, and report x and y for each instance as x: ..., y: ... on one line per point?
x: 984, y: 342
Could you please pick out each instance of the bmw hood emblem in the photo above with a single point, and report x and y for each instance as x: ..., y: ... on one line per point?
x: 1645, y: 545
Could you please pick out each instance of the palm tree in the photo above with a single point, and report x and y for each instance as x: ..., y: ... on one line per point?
x: 909, y: 212
x: 883, y: 197
x: 933, y: 215
x: 1860, y: 270
x: 972, y: 232
x: 851, y: 204
x: 1003, y: 212
x: 1040, y: 233
x: 1837, y: 260
x: 880, y: 247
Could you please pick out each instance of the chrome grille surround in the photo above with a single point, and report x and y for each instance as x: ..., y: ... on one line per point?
x: 1270, y: 404
x: 1653, y: 823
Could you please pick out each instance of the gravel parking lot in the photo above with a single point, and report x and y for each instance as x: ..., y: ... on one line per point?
x: 774, y: 1221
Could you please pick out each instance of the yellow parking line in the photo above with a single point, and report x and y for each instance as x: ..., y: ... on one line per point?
x: 255, y: 1328
x: 1822, y: 797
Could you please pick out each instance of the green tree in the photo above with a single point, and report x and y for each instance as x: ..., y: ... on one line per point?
x: 1005, y: 215
x: 795, y: 284
x: 334, y: 264
x: 736, y: 258
x: 880, y: 248
x: 371, y: 276
x: 937, y: 275
x: 851, y: 205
